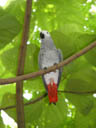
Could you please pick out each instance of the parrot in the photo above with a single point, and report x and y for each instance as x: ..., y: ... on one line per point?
x: 48, y: 56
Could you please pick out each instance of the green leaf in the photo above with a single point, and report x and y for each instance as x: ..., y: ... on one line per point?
x: 46, y: 115
x: 72, y: 27
x: 16, y: 8
x: 61, y: 42
x: 9, y: 29
x: 82, y: 121
x: 7, y: 92
x: 10, y: 97
x: 90, y: 56
x: 1, y: 122
x: 82, y: 81
x: 11, y: 56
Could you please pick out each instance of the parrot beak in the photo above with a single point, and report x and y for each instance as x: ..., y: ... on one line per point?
x: 42, y: 35
x: 52, y: 92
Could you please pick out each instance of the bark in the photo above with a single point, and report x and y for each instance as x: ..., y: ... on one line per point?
x: 21, y: 61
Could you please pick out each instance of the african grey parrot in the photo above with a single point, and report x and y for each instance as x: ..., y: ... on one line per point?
x: 49, y: 56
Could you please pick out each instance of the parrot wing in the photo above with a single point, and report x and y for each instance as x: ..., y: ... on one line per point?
x: 40, y: 64
x: 40, y: 59
x: 60, y: 59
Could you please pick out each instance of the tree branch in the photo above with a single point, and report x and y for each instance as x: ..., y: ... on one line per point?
x: 44, y: 95
x: 21, y: 61
x: 30, y: 102
x: 76, y: 92
x: 41, y: 72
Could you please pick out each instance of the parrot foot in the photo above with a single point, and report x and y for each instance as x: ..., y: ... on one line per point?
x: 55, y: 63
x: 54, y: 103
x: 45, y: 68
x: 50, y: 103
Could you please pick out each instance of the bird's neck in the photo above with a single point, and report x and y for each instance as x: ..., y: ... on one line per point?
x: 48, y: 44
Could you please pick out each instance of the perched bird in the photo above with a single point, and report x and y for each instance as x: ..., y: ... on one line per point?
x: 49, y: 56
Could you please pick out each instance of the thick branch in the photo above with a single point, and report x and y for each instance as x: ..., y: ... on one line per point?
x: 44, y: 95
x: 21, y: 61
x: 41, y: 72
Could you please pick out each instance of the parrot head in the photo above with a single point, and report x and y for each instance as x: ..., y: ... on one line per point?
x: 44, y: 34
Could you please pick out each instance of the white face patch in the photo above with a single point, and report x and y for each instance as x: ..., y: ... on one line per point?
x: 51, y: 75
x: 46, y: 33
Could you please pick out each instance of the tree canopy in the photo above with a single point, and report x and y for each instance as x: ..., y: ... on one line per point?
x: 72, y: 24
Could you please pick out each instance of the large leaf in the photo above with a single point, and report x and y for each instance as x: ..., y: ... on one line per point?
x: 1, y: 122
x: 9, y: 28
x: 82, y: 81
x: 11, y: 56
x: 90, y: 56
x: 73, y: 27
x: 82, y: 121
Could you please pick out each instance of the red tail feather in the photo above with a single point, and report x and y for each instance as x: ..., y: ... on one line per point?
x: 52, y: 93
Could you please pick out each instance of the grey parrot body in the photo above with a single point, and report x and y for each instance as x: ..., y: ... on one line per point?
x: 49, y: 56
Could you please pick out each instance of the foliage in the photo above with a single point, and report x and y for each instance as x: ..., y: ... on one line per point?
x: 72, y: 24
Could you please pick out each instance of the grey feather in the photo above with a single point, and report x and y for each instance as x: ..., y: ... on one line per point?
x: 48, y: 56
x: 60, y: 59
x: 39, y: 60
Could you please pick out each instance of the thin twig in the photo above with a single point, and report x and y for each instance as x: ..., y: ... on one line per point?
x: 41, y: 72
x: 36, y: 100
x: 30, y: 102
x: 76, y: 92
x: 21, y: 62
x: 45, y: 94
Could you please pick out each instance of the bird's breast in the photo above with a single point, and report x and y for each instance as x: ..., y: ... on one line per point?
x: 49, y: 58
x: 51, y: 75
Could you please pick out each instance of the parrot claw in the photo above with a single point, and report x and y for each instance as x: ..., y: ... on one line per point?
x: 49, y: 103
x: 55, y: 63
x: 54, y: 103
